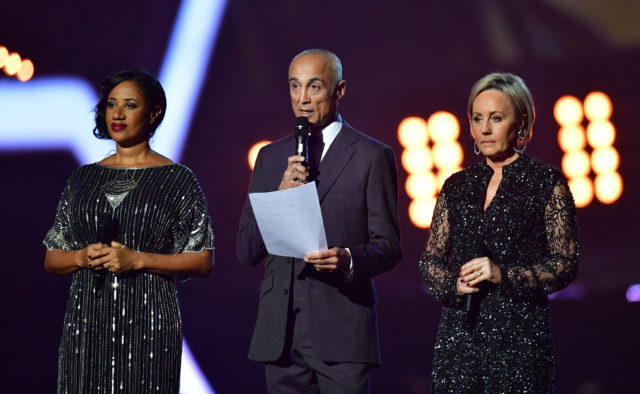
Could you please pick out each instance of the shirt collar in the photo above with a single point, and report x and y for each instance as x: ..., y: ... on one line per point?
x: 329, y: 133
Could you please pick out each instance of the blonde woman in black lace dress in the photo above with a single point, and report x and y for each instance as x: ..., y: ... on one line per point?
x: 125, y: 228
x: 503, y: 237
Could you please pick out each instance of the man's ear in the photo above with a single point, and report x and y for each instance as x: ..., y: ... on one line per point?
x: 340, y: 89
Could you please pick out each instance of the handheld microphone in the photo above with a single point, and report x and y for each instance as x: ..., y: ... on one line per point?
x: 468, y: 308
x: 302, y: 132
x: 107, y: 232
x: 471, y: 302
x: 107, y: 229
x: 468, y: 302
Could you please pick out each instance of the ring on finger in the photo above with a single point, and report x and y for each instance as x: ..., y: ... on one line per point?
x: 479, y: 272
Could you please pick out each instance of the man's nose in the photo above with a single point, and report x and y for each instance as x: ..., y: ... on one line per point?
x: 304, y: 96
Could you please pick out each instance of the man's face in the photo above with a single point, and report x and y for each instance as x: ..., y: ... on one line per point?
x: 312, y: 91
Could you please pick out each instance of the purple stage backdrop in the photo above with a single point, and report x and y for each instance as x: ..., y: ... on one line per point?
x: 400, y: 58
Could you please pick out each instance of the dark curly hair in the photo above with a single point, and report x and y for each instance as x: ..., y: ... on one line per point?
x: 150, y: 87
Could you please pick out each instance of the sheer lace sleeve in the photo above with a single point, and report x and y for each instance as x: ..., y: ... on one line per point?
x: 434, y: 261
x: 560, y: 265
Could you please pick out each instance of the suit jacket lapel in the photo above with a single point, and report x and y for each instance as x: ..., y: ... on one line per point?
x: 336, y: 159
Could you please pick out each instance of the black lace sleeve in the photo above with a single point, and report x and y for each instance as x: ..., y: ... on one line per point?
x: 560, y: 265
x: 434, y: 261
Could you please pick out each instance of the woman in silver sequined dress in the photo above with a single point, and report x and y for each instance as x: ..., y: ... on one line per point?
x: 503, y: 237
x: 125, y: 228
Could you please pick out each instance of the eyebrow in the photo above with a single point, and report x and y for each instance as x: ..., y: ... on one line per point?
x: 126, y: 99
x: 314, y: 79
x: 490, y: 113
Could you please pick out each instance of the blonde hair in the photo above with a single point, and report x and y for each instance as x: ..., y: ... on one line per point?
x: 516, y: 91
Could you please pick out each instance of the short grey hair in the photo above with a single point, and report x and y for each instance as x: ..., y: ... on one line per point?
x: 334, y: 63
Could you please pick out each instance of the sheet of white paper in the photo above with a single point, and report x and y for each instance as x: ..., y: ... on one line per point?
x: 290, y: 221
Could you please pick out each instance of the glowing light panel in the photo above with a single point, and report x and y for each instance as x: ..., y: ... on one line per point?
x: 600, y: 135
x: 427, y: 143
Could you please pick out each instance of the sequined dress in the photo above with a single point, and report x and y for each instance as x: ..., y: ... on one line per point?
x: 123, y: 334
x: 529, y: 230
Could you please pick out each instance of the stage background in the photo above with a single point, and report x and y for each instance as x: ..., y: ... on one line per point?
x: 409, y: 58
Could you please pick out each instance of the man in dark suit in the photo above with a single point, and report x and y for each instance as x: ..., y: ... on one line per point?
x: 316, y: 329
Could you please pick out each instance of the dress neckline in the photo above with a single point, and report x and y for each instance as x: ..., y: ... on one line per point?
x: 135, y: 168
x: 507, y: 168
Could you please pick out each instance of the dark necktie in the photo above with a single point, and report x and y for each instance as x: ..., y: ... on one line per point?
x: 315, y: 154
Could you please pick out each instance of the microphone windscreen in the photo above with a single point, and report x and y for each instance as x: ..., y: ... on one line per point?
x: 302, y: 125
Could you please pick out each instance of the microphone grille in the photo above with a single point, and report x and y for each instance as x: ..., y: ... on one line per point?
x: 302, y: 123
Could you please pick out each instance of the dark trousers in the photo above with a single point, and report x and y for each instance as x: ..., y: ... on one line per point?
x: 300, y: 371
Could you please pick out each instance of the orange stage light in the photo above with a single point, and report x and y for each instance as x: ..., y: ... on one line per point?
x: 13, y: 64
x: 568, y: 111
x: 421, y: 186
x: 416, y: 160
x: 582, y: 190
x: 572, y: 138
x: 597, y: 106
x: 253, y: 152
x: 605, y: 160
x: 576, y: 164
x: 412, y: 132
x: 26, y: 71
x: 421, y: 212
x: 601, y: 133
x: 443, y: 126
x: 608, y: 187
x: 4, y: 54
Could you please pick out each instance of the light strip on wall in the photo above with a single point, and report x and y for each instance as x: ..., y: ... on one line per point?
x: 48, y: 114
x: 184, y: 70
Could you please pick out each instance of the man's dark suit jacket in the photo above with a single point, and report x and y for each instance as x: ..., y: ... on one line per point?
x: 357, y: 188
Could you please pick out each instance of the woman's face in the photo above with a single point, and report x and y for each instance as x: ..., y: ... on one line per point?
x: 128, y: 115
x: 494, y: 125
